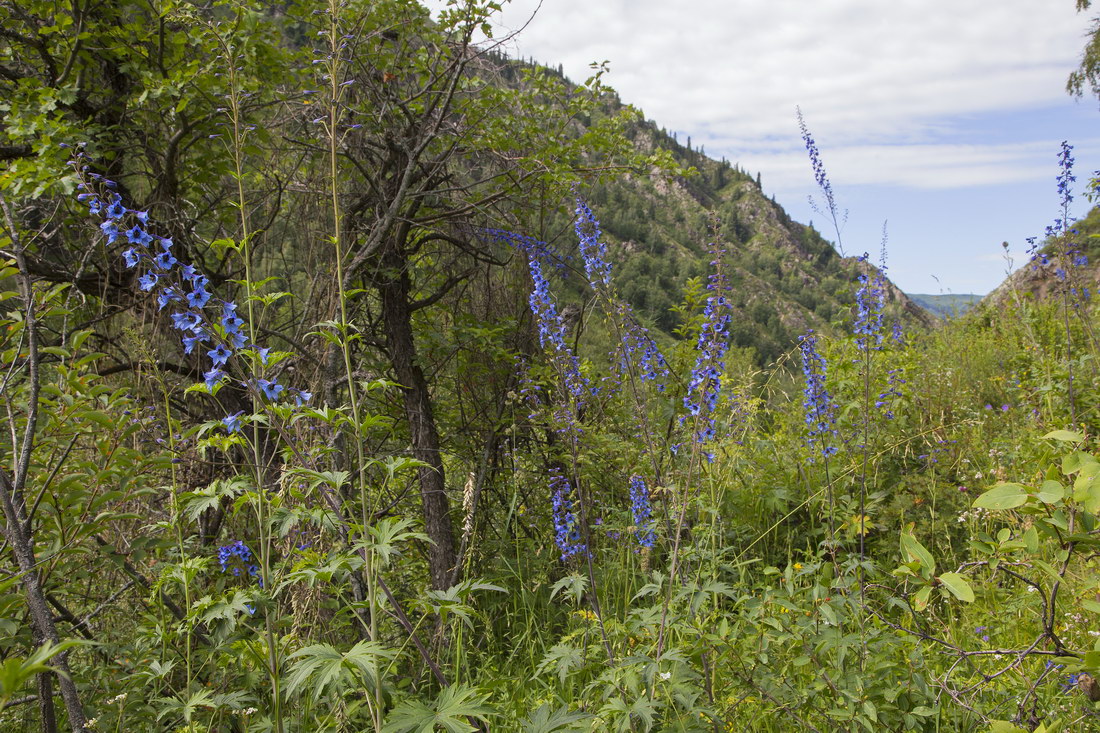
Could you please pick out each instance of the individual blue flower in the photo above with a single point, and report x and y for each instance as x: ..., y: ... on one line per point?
x: 301, y: 397
x: 190, y: 342
x: 165, y: 260
x: 213, y: 377
x: 270, y: 389
x: 110, y: 230
x: 137, y: 235
x: 233, y: 422
x: 167, y: 296
x: 131, y: 257
x: 147, y: 281
x: 198, y: 297
x: 116, y: 210
x: 263, y: 352
x: 219, y: 354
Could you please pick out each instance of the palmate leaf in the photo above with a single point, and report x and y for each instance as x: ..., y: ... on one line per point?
x: 562, y: 658
x: 450, y: 712
x: 325, y: 669
x: 550, y: 720
x: 621, y: 716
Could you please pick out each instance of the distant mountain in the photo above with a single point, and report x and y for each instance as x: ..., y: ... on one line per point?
x: 1058, y: 264
x: 785, y: 276
x: 946, y: 305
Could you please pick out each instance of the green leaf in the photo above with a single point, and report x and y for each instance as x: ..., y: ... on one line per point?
x: 449, y: 711
x: 1002, y: 496
x: 1003, y: 726
x: 547, y: 720
x: 912, y: 548
x: 327, y: 670
x: 1065, y: 436
x: 958, y: 586
x: 1051, y: 492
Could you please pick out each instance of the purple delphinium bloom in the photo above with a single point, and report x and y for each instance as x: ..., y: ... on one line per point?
x: 190, y: 342
x: 269, y: 388
x: 870, y: 302
x: 820, y: 409
x: 213, y: 377
x: 821, y: 179
x: 893, y: 389
x: 566, y: 527
x: 642, y: 511
x: 551, y: 330
x: 165, y: 260
x: 705, y: 384
x: 593, y: 251
x: 635, y: 340
x: 219, y: 354
x: 233, y: 422
x: 236, y: 558
x: 147, y: 281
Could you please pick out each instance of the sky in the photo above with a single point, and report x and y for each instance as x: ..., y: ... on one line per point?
x: 942, y: 120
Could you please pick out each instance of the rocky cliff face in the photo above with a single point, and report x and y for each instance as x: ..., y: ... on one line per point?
x: 785, y: 277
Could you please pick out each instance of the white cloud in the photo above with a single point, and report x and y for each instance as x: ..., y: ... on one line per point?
x: 865, y: 72
x: 924, y: 166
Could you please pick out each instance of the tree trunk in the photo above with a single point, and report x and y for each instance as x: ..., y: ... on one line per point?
x: 397, y: 321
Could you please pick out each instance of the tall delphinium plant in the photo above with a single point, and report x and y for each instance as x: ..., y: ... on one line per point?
x: 238, y: 131
x: 828, y: 206
x: 820, y: 418
x: 571, y: 394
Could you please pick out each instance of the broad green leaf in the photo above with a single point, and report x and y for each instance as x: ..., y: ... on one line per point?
x: 1065, y: 436
x: 1002, y: 496
x: 958, y: 586
x: 1051, y: 492
x: 914, y: 550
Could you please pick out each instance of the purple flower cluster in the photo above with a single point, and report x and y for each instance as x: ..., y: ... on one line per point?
x: 870, y: 302
x: 236, y: 558
x: 530, y: 246
x: 636, y: 342
x: 642, y: 511
x: 893, y: 390
x: 551, y: 330
x: 705, y: 385
x: 820, y: 177
x: 593, y: 251
x: 820, y: 408
x: 202, y: 319
x: 566, y: 527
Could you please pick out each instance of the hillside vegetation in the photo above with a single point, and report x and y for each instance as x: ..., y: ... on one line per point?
x: 359, y: 378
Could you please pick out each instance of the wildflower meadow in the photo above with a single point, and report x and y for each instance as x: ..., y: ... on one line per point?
x: 327, y: 410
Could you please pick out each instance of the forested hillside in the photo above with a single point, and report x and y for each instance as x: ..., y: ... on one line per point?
x: 360, y: 378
